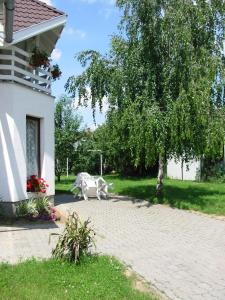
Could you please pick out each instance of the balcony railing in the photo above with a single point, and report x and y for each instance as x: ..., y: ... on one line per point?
x: 14, y: 66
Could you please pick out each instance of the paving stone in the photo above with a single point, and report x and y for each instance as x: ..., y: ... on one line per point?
x: 181, y: 253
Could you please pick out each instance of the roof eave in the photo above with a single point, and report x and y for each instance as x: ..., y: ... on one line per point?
x: 37, y: 29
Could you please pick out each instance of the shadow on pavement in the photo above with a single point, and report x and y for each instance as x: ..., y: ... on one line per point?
x: 66, y: 198
x: 26, y: 225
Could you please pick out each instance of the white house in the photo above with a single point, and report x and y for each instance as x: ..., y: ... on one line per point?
x: 26, y: 103
x: 184, y: 171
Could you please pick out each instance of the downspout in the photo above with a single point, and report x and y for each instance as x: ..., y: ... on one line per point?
x: 9, y: 16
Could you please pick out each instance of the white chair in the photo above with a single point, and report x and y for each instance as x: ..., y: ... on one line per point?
x: 103, y: 187
x: 91, y: 186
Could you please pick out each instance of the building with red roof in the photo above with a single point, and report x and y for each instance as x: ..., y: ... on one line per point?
x: 29, y: 31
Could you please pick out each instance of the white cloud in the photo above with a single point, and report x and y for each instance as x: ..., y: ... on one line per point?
x: 75, y: 32
x: 49, y: 2
x: 56, y: 54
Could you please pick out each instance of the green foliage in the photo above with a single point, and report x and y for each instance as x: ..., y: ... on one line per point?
x: 75, y: 241
x: 163, y: 78
x: 96, y: 278
x: 117, y: 155
x: 1, y: 210
x: 67, y: 133
x: 42, y: 205
x: 26, y: 208
x: 87, y: 161
x: 213, y: 170
x: 33, y: 208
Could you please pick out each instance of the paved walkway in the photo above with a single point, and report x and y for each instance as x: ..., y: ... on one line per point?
x: 22, y: 241
x: 181, y: 253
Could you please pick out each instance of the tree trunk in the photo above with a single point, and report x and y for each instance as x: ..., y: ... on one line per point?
x: 58, y: 177
x: 159, y: 187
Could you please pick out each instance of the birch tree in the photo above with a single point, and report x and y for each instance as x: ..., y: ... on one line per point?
x: 163, y: 78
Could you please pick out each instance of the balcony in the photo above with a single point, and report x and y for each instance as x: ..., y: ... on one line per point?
x: 15, y: 67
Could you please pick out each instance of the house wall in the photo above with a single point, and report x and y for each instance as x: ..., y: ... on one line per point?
x: 16, y: 102
x: 1, y: 24
x: 190, y: 171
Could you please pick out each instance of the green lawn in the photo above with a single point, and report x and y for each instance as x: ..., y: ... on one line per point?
x: 207, y: 197
x: 95, y: 278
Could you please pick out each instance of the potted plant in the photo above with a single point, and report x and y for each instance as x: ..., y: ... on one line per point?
x: 39, y: 58
x: 36, y: 187
x: 56, y: 72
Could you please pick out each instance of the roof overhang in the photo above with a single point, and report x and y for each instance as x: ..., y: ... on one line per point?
x: 34, y: 30
x: 37, y: 29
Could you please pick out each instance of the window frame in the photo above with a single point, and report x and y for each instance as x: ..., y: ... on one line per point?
x: 38, y: 120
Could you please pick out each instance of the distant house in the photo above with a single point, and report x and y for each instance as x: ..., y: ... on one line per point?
x: 184, y: 171
x: 26, y: 103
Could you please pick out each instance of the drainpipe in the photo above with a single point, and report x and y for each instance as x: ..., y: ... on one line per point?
x: 9, y: 15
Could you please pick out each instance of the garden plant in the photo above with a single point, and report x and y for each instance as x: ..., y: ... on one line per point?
x: 36, y: 209
x: 75, y: 241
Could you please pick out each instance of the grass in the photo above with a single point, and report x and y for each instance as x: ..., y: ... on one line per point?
x: 206, y: 197
x: 95, y: 278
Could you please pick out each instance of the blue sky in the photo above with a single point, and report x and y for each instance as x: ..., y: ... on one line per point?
x: 90, y: 25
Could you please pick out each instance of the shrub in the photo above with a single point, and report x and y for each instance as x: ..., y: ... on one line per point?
x: 75, y: 241
x: 42, y: 205
x: 26, y: 208
x: 213, y: 170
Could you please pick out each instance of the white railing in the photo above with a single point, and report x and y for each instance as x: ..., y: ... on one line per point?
x: 14, y: 66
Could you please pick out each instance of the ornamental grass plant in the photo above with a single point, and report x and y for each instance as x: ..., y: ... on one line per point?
x: 75, y: 241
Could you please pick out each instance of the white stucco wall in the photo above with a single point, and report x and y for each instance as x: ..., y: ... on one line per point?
x: 190, y: 170
x: 16, y: 102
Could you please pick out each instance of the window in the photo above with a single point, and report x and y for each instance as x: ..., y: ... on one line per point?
x: 33, y: 146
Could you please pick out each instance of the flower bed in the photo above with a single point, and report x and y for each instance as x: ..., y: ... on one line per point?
x: 37, y: 206
x: 36, y: 209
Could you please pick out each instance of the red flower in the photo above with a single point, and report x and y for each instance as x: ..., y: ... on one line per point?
x: 35, y: 184
x: 29, y: 186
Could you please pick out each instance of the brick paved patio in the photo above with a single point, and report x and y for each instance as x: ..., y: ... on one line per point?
x: 181, y: 253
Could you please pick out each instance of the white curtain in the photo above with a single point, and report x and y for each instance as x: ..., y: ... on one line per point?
x: 32, y: 136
